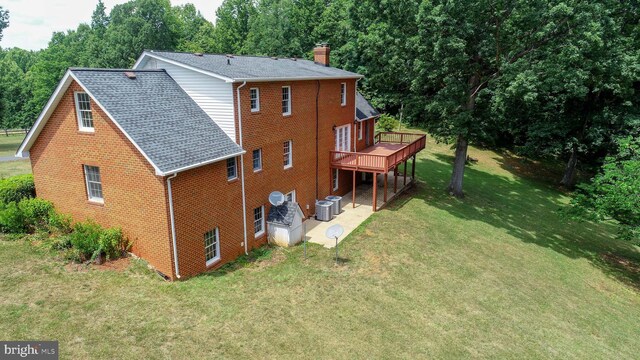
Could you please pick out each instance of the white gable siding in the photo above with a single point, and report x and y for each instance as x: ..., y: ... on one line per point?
x: 213, y: 95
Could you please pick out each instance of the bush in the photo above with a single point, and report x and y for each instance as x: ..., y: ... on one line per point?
x: 60, y: 223
x: 16, y: 188
x: 35, y: 213
x: 387, y: 122
x: 90, y: 240
x: 11, y: 219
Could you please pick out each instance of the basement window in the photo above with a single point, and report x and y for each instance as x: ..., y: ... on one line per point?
x: 291, y: 196
x: 343, y: 94
x: 232, y: 169
x: 254, y: 95
x: 94, y: 183
x: 334, y: 179
x: 286, y: 100
x: 83, y: 111
x: 212, y: 246
x: 258, y: 221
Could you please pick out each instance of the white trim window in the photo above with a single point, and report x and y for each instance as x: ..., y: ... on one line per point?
x: 232, y: 169
x: 212, y: 246
x: 254, y: 95
x: 360, y: 131
x: 257, y: 160
x: 343, y: 138
x: 286, y: 100
x: 291, y: 196
x: 343, y: 94
x: 83, y: 110
x: 334, y: 179
x: 94, y: 183
x: 287, y: 155
x: 258, y: 221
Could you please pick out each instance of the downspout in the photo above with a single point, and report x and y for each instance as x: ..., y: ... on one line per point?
x: 244, y: 198
x: 173, y: 225
x: 317, y: 135
x: 355, y: 117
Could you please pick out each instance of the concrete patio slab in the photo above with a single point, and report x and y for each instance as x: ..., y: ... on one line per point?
x: 352, y: 216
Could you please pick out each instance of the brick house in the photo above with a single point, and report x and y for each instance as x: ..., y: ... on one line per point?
x: 183, y: 150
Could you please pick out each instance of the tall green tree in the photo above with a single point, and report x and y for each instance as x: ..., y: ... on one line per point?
x: 465, y: 48
x: 4, y: 20
x: 232, y: 25
x: 195, y: 33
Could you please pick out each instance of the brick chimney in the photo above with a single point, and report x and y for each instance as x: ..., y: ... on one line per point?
x: 321, y: 54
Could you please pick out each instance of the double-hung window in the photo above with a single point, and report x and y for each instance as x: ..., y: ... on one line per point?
x: 94, y: 183
x: 286, y: 100
x: 83, y: 110
x: 258, y: 221
x: 257, y: 160
x: 291, y: 196
x: 287, y: 154
x: 359, y: 131
x: 343, y: 94
x: 212, y: 246
x: 254, y: 94
x: 334, y: 179
x: 232, y: 169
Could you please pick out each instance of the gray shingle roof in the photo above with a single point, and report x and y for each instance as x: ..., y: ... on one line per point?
x: 256, y: 67
x: 364, y: 110
x: 282, y: 214
x: 167, y: 125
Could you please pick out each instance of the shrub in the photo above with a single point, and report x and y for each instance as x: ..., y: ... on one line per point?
x: 11, y: 219
x: 35, y: 213
x: 91, y: 240
x: 387, y: 122
x: 60, y: 223
x: 16, y: 188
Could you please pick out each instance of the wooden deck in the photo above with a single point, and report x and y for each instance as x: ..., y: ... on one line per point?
x: 389, y: 150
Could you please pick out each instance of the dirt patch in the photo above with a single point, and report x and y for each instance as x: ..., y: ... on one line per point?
x: 277, y: 256
x: 115, y: 265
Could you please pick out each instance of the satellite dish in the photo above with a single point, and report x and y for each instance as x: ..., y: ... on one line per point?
x: 276, y: 198
x: 334, y: 231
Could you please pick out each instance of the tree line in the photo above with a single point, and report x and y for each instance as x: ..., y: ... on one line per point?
x: 555, y: 79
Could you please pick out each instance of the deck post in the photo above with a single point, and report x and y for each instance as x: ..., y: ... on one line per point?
x: 413, y: 169
x: 386, y: 173
x: 404, y: 180
x: 353, y: 197
x: 375, y: 190
x: 395, y: 179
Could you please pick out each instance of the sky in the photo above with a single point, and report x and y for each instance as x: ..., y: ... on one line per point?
x: 31, y: 22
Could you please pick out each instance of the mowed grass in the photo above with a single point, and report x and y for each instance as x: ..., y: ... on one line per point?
x: 497, y: 274
x: 8, y: 146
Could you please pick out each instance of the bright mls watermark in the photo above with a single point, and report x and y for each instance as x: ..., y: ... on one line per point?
x: 45, y: 350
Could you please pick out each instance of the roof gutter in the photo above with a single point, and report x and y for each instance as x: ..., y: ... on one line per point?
x: 244, y: 198
x: 189, y: 167
x: 173, y: 225
x: 339, y: 77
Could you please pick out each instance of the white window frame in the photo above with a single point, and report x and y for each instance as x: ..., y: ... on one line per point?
x: 343, y: 138
x: 216, y: 258
x: 289, y: 154
x: 343, y: 94
x: 90, y: 196
x: 257, y: 99
x: 288, y: 112
x: 79, y: 112
x: 291, y: 194
x: 360, y: 131
x: 335, y: 179
x: 253, y: 160
x: 235, y: 166
x: 262, y: 225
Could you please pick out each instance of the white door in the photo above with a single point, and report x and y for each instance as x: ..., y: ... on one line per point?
x: 343, y: 138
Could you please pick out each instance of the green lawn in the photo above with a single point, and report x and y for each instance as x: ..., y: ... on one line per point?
x: 495, y: 275
x: 8, y: 146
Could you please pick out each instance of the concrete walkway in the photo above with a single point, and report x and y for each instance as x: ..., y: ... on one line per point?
x: 10, y: 158
x: 351, y: 217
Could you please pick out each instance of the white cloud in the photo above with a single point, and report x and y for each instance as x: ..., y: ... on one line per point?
x: 33, y: 21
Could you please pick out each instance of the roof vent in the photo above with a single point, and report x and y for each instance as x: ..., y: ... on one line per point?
x: 130, y: 74
x: 274, y: 58
x: 230, y: 56
x: 228, y: 61
x: 197, y: 54
x: 294, y: 59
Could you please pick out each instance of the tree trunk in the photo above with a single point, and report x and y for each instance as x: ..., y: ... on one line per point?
x: 455, y: 185
x: 569, y: 178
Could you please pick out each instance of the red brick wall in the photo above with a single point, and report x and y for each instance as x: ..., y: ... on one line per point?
x: 268, y: 129
x: 134, y: 198
x: 203, y: 199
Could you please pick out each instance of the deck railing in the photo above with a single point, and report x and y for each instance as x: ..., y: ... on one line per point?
x: 380, y: 163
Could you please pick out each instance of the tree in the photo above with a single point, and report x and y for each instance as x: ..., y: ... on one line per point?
x: 195, y: 33
x: 4, y: 20
x: 614, y: 193
x: 463, y: 51
x: 232, y: 25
